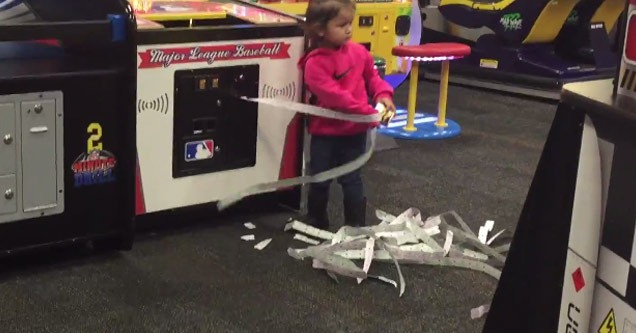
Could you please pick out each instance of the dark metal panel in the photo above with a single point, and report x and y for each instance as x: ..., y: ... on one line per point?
x: 220, y: 33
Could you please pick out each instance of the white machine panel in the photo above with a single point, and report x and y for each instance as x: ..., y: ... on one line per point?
x: 157, y: 64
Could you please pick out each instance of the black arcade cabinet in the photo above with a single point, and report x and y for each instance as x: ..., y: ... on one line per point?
x: 571, y: 266
x: 67, y: 123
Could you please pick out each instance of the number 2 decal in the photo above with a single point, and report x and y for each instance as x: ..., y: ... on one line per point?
x: 95, y: 166
x: 94, y: 143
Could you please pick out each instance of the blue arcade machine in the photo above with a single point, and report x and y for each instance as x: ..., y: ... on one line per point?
x: 527, y: 46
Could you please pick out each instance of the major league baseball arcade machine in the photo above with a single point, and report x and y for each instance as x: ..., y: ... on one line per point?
x: 197, y: 140
x: 67, y: 106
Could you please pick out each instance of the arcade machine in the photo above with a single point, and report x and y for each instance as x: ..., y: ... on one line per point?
x: 514, y: 42
x: 572, y: 262
x: 198, y: 141
x: 67, y: 103
x: 379, y: 25
x: 583, y: 42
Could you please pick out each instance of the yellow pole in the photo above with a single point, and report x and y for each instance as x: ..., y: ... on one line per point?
x: 443, y: 94
x: 410, y: 122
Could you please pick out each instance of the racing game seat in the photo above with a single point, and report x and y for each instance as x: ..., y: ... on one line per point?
x: 596, y: 11
x: 583, y: 39
x: 514, y: 21
x: 522, y: 39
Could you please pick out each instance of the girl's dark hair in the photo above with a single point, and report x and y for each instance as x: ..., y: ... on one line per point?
x: 319, y: 13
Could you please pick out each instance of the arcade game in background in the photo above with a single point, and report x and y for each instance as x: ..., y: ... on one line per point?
x: 527, y: 46
x: 576, y: 237
x: 379, y: 25
x: 67, y: 104
x: 197, y: 140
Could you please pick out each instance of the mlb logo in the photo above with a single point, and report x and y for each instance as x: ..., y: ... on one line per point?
x: 199, y: 150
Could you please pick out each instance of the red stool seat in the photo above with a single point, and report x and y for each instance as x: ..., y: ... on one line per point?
x: 430, y: 50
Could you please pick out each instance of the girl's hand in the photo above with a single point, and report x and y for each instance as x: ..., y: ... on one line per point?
x: 387, y: 112
x: 386, y: 117
x: 388, y: 103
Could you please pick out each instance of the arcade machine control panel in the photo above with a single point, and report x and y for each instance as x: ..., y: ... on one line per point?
x: 213, y: 129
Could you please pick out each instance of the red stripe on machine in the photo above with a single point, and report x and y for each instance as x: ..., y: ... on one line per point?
x: 140, y: 204
x: 53, y: 42
x: 155, y: 58
x: 630, y: 41
x: 291, y: 162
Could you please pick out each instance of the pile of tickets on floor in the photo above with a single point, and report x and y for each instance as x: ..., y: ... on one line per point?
x: 405, y: 239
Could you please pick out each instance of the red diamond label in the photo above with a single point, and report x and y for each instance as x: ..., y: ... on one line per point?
x: 579, y: 281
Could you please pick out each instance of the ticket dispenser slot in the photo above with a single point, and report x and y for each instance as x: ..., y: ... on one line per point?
x: 214, y: 129
x: 365, y: 21
x: 204, y: 125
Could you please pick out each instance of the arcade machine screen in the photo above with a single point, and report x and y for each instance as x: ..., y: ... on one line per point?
x: 204, y: 13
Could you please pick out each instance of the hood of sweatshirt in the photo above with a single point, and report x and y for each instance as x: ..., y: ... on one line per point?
x: 319, y: 51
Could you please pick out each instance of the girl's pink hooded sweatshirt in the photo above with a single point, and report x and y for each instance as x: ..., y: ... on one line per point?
x: 342, y: 80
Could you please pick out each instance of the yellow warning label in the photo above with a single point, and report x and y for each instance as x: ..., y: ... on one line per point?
x: 489, y: 63
x: 609, y: 324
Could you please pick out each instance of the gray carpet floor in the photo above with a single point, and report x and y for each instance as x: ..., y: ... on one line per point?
x: 204, y: 278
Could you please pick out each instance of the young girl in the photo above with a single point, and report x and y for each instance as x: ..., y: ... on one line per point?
x: 340, y: 75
